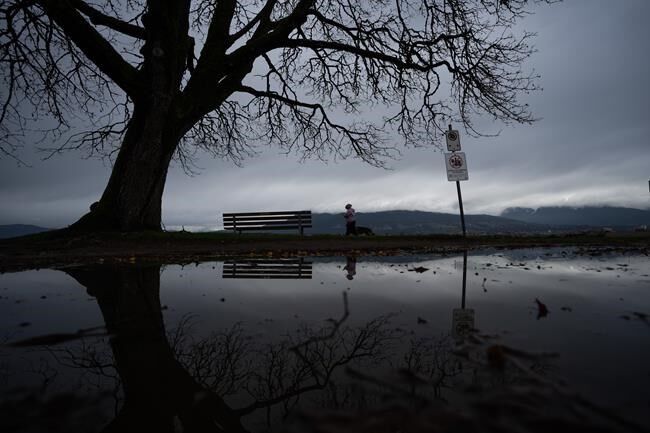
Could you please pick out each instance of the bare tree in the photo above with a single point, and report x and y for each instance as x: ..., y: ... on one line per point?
x: 279, y: 71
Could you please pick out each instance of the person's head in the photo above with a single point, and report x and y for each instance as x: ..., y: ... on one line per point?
x: 348, y: 206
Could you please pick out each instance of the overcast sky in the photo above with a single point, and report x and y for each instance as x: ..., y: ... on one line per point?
x: 591, y: 146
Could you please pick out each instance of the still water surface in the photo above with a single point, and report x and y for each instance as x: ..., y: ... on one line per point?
x: 133, y: 347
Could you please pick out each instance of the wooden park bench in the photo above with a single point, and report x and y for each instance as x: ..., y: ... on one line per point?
x: 298, y: 268
x: 281, y: 220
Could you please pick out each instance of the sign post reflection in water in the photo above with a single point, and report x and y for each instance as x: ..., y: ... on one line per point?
x: 462, y: 318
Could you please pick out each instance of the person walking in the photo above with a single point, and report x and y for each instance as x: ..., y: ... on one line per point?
x: 350, y: 220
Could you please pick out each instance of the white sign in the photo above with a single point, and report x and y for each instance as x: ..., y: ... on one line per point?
x: 453, y: 140
x: 456, y: 166
x: 462, y: 322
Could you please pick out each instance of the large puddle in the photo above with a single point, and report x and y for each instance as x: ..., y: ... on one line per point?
x: 488, y: 337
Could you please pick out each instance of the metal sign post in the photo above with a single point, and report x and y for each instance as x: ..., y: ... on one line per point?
x: 456, y: 168
x: 460, y: 203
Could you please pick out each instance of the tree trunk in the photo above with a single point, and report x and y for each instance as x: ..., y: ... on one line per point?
x: 132, y: 199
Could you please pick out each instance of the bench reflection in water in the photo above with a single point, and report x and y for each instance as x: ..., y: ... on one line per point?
x: 268, y: 268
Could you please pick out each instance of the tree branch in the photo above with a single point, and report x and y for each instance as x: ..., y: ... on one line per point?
x: 262, y: 17
x: 365, y: 53
x: 316, y: 131
x: 93, y: 45
x: 98, y: 18
x: 216, y: 71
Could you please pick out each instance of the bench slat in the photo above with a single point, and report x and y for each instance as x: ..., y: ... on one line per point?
x: 239, y: 272
x: 244, y: 214
x: 264, y: 267
x: 263, y: 219
x: 266, y: 272
x: 267, y: 227
x: 270, y: 277
x: 268, y: 262
x: 266, y: 223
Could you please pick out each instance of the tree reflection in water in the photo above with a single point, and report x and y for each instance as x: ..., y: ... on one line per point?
x: 177, y: 381
x: 337, y: 378
x: 159, y: 392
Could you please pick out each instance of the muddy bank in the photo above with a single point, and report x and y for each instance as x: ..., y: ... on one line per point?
x: 57, y: 248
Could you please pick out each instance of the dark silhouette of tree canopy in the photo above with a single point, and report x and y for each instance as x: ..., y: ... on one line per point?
x: 157, y: 80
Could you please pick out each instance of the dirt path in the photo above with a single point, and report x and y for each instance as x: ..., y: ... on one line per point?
x: 52, y: 249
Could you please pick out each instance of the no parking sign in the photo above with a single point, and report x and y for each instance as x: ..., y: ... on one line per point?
x: 456, y: 166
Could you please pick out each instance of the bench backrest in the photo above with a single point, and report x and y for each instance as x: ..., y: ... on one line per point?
x: 280, y: 220
x: 268, y: 268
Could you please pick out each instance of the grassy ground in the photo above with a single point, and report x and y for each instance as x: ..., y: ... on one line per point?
x: 61, y: 247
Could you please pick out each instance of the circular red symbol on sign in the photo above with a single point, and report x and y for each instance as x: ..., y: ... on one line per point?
x: 456, y: 162
x: 452, y: 136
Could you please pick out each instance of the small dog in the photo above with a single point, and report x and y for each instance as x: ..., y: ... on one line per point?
x: 365, y: 231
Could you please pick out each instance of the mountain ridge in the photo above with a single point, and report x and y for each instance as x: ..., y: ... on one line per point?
x: 422, y: 222
x: 519, y: 220
x: 16, y: 230
x: 589, y: 216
